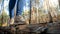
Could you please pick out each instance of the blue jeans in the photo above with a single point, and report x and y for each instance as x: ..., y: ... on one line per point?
x: 20, y: 6
x: 11, y: 8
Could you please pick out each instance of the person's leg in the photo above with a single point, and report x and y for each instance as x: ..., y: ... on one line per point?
x: 19, y: 11
x: 23, y: 6
x: 20, y: 6
x: 11, y: 10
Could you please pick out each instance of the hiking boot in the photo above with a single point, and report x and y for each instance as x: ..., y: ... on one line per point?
x: 12, y: 21
x: 19, y: 19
